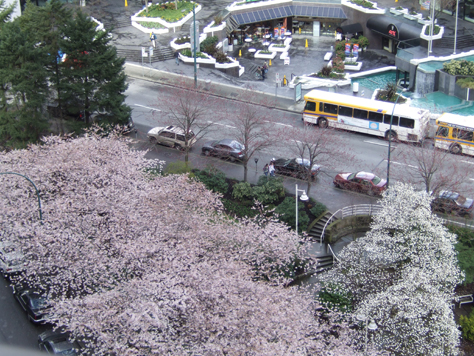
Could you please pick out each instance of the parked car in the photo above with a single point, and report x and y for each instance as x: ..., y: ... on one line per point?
x: 171, y: 136
x: 226, y: 148
x: 11, y: 263
x: 452, y: 203
x: 57, y: 343
x: 295, y: 167
x: 362, y: 182
x: 34, y: 303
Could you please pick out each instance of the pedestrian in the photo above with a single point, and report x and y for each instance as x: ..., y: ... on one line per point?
x: 176, y: 57
x: 265, y: 67
x: 153, y: 39
x: 259, y: 71
x: 271, y: 169
x: 266, y: 170
x: 263, y: 74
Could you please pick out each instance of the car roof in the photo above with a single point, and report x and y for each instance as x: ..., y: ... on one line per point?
x: 226, y: 141
x: 448, y: 194
x: 365, y: 175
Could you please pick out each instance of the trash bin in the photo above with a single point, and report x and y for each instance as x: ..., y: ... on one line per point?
x: 355, y: 87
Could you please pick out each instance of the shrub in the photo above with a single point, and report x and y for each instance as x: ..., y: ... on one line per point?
x: 325, y: 71
x: 264, y: 51
x: 318, y: 209
x: 242, y: 191
x: 239, y: 210
x: 467, y: 326
x: 436, y: 30
x: 363, y: 3
x: 187, y: 52
x: 459, y: 67
x: 209, y: 45
x: 466, y: 83
x: 218, y: 20
x: 333, y: 298
x: 338, y: 64
x: 269, y: 190
x: 221, y: 57
x: 287, y: 213
x: 213, y: 179
x: 465, y: 249
x: 178, y: 167
x: 340, y: 46
x: 363, y: 41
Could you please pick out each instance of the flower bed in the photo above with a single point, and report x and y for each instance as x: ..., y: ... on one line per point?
x: 398, y: 10
x: 363, y: 6
x: 278, y: 48
x: 232, y: 63
x: 167, y: 25
x: 258, y: 54
x: 413, y: 16
x: 207, y: 60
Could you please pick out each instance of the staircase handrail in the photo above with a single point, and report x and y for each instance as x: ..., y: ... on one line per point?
x: 360, y: 209
x: 334, y: 256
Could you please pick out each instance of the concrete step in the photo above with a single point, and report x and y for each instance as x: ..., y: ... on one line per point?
x: 323, y: 263
x: 135, y: 54
x: 463, y: 41
x: 317, y: 229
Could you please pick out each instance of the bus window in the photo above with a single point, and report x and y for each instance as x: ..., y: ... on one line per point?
x: 360, y: 114
x: 330, y: 108
x: 310, y: 106
x: 465, y: 135
x: 345, y: 111
x: 404, y: 122
x: 386, y: 120
x: 375, y: 116
x: 442, y: 131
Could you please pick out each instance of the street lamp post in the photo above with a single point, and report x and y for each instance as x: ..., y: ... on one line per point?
x: 390, y: 140
x: 37, y: 191
x: 372, y: 326
x: 194, y: 30
x: 456, y: 26
x: 304, y: 197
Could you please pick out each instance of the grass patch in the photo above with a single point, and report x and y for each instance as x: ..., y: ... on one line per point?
x: 168, y: 11
x: 151, y: 24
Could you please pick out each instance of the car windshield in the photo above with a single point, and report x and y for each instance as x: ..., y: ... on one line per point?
x: 460, y: 200
x: 376, y: 180
x: 236, y: 145
x: 38, y: 303
x: 351, y: 176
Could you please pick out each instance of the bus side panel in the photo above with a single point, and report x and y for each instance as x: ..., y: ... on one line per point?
x: 310, y: 118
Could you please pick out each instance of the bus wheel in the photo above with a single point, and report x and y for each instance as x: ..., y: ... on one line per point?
x: 392, y: 136
x: 455, y: 149
x: 322, y: 122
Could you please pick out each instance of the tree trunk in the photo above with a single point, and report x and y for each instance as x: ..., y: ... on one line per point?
x: 245, y: 170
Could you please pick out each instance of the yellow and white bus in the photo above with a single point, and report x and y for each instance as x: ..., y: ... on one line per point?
x: 365, y: 115
x: 454, y: 133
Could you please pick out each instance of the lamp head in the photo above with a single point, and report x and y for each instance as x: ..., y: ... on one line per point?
x: 304, y: 197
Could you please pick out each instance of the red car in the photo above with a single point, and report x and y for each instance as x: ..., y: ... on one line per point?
x: 362, y: 182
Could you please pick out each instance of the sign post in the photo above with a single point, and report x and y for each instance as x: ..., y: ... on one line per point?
x: 144, y: 54
x: 298, y: 95
x: 277, y: 81
x: 151, y: 53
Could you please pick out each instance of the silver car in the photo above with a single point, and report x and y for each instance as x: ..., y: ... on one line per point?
x: 171, y: 136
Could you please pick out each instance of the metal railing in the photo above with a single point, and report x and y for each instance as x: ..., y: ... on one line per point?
x: 353, y: 210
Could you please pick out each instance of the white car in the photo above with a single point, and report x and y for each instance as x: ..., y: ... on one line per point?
x: 171, y: 136
x: 11, y: 263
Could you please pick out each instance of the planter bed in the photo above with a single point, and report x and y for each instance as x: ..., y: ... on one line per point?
x: 208, y: 60
x: 434, y: 37
x: 135, y: 19
x: 265, y: 55
x: 413, y: 17
x: 395, y: 11
x: 178, y: 47
x: 353, y: 66
x: 211, y: 28
x: 274, y: 48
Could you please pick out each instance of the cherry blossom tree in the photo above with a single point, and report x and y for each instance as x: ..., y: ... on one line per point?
x: 403, y: 274
x: 192, y: 109
x: 136, y: 263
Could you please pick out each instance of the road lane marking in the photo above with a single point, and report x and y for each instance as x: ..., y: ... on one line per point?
x: 402, y: 164
x: 467, y: 162
x: 277, y: 123
x: 147, y: 107
x: 380, y: 144
x: 216, y: 123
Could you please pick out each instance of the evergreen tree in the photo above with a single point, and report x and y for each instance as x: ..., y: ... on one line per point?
x: 5, y: 12
x: 47, y: 24
x: 24, y: 87
x: 93, y: 81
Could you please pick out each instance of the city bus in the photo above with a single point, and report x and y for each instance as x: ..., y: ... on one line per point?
x: 454, y: 133
x: 364, y: 115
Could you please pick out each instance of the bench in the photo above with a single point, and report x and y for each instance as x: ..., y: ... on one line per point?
x: 328, y: 56
x: 463, y: 299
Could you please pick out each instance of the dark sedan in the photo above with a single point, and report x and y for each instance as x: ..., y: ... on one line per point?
x: 35, y: 305
x: 57, y: 343
x: 452, y: 203
x: 362, y: 182
x: 295, y: 167
x: 226, y: 148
